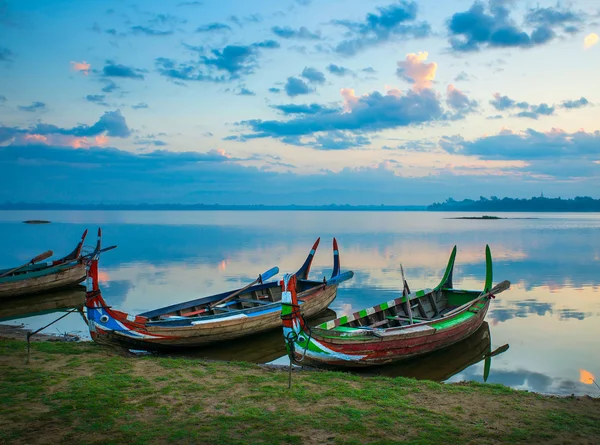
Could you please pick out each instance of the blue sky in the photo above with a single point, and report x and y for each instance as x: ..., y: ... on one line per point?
x: 298, y: 101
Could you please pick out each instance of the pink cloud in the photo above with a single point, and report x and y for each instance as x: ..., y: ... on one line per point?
x: 82, y: 67
x: 416, y: 70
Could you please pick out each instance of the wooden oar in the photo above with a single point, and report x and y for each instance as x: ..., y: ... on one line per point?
x: 261, y: 278
x: 498, y: 288
x: 404, y: 286
x: 37, y: 259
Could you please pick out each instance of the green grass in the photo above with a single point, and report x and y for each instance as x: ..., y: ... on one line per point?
x: 86, y: 394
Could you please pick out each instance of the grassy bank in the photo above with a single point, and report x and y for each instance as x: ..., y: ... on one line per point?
x: 82, y: 393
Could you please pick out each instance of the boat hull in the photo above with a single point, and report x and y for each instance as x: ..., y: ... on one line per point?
x: 152, y: 336
x: 406, y: 345
x: 48, y: 279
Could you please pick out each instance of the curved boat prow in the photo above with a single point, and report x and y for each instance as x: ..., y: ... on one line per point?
x: 75, y: 254
x: 292, y: 320
x: 446, y: 282
x: 336, y: 259
x: 302, y: 273
x: 489, y: 274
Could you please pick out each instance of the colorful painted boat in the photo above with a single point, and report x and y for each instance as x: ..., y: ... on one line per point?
x: 445, y: 363
x: 43, y: 277
x: 225, y: 316
x: 415, y: 324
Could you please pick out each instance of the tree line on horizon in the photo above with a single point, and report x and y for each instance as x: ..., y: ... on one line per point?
x: 535, y: 204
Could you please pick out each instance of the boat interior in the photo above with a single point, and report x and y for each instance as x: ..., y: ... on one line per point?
x: 256, y: 297
x: 253, y: 299
x: 412, y: 308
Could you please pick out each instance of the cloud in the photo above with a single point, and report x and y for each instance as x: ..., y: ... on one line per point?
x: 551, y: 17
x: 160, y: 25
x: 369, y: 113
x: 234, y: 60
x: 459, y: 101
x: 589, y: 40
x: 82, y: 67
x: 296, y: 87
x: 245, y: 92
x: 339, y: 70
x: 110, y: 87
x: 532, y: 145
x: 481, y: 27
x: 98, y: 99
x: 112, y: 69
x: 35, y: 106
x: 331, y: 140
x: 579, y: 103
x: 288, y: 109
x: 301, y: 33
x: 110, y: 124
x: 415, y: 70
x: 274, y: 90
x: 3, y: 99
x: 140, y: 106
x: 531, y: 111
x: 313, y: 75
x: 6, y: 55
x: 213, y: 27
x: 395, y: 20
x: 150, y: 32
x: 462, y: 77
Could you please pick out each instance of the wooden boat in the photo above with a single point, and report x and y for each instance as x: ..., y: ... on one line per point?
x: 415, y: 324
x: 35, y: 277
x: 71, y: 297
x: 445, y: 363
x: 261, y: 348
x: 230, y: 315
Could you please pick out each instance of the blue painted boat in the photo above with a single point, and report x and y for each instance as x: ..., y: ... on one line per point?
x: 227, y: 316
x: 35, y: 277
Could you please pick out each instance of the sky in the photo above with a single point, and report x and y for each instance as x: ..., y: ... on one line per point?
x: 298, y: 101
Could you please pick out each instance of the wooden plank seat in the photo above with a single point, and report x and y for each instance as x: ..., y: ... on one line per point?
x: 403, y: 318
x: 251, y: 300
x: 379, y: 323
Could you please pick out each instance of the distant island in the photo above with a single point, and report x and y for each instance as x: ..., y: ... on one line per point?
x: 477, y: 217
x: 536, y: 204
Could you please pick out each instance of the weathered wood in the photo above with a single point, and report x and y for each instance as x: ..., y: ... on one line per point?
x: 52, y: 278
x: 37, y: 259
x: 379, y: 323
x: 436, y: 312
x: 250, y: 300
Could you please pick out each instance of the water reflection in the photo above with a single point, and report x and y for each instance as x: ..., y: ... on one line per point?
x: 442, y: 365
x: 169, y: 257
x: 35, y: 305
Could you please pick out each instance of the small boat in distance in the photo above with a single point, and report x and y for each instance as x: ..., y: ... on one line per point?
x: 415, y: 324
x: 252, y: 309
x: 35, y: 277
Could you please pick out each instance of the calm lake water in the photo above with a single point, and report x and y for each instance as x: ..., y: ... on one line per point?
x: 550, y: 318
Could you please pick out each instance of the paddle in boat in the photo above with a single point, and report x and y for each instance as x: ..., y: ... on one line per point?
x: 415, y: 324
x: 238, y: 313
x: 35, y: 277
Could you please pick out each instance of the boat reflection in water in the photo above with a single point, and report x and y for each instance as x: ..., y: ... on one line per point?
x: 442, y: 365
x: 259, y: 348
x: 29, y: 306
